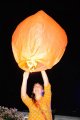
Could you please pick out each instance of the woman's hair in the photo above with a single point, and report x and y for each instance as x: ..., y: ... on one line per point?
x: 33, y: 97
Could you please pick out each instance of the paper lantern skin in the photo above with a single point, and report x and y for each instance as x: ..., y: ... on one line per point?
x: 38, y: 42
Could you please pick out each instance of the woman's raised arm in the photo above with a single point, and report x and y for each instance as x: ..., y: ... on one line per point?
x: 45, y: 78
x: 24, y: 84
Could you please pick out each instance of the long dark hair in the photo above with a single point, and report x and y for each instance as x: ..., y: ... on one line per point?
x: 33, y: 97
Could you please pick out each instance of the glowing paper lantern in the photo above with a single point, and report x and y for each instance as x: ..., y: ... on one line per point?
x: 38, y: 42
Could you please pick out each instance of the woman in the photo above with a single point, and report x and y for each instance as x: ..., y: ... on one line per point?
x: 39, y: 105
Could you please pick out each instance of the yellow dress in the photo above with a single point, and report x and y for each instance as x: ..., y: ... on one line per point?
x: 43, y: 112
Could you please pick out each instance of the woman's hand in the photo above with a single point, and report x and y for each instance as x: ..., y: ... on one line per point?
x: 25, y: 75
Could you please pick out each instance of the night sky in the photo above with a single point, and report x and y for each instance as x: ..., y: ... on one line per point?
x: 64, y: 76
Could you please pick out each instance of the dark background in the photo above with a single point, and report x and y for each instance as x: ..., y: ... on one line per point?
x: 64, y: 77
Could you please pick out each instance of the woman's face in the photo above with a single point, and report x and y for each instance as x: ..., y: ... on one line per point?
x: 37, y: 89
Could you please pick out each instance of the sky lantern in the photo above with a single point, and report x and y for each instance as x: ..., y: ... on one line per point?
x: 38, y: 42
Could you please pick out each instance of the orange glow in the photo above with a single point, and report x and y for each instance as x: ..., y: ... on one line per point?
x: 38, y: 42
